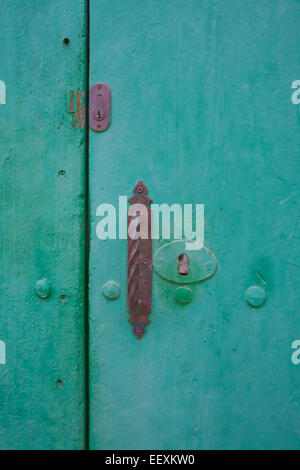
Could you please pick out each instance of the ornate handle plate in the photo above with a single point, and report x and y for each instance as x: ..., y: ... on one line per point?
x: 139, y: 260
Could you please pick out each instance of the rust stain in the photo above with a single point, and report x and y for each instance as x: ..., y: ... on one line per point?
x: 71, y: 108
x: 79, y: 113
x: 139, y: 273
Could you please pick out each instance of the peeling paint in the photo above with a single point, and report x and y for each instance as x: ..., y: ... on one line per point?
x: 79, y: 112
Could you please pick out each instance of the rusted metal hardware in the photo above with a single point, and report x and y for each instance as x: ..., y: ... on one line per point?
x: 183, y: 265
x: 100, y: 102
x: 139, y: 260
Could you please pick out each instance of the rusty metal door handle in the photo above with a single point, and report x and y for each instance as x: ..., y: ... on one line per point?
x: 139, y: 260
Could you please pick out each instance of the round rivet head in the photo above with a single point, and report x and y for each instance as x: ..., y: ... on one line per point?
x: 183, y: 295
x: 111, y: 290
x: 43, y: 288
x: 256, y: 296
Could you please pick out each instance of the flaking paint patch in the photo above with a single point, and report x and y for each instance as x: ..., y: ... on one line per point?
x: 79, y: 112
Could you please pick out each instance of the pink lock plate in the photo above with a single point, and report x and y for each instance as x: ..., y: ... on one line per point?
x: 99, y: 103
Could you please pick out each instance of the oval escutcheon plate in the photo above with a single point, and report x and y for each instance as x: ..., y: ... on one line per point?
x: 201, y: 263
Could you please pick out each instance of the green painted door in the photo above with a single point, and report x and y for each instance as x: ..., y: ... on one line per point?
x: 42, y: 218
x: 205, y: 111
x: 202, y: 113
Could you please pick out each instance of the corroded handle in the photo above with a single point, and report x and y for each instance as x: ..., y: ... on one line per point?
x: 139, y: 260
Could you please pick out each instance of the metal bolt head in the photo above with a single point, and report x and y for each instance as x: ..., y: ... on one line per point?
x: 183, y: 295
x: 111, y: 290
x: 43, y: 288
x: 256, y: 296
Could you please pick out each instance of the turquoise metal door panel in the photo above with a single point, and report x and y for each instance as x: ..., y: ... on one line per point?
x: 202, y: 113
x: 42, y: 217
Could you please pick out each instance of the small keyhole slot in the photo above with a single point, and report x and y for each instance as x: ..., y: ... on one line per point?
x: 99, y: 111
x: 183, y: 265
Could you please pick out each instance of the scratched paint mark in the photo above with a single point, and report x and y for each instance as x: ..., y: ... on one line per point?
x: 288, y: 198
x: 2, y: 92
x: 2, y: 353
x: 78, y: 112
x: 261, y: 277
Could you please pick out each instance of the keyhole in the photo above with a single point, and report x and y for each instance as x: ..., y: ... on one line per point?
x: 183, y: 265
x: 99, y: 112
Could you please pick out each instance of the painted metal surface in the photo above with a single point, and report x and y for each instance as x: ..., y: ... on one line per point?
x: 173, y: 265
x: 202, y: 111
x: 42, y: 382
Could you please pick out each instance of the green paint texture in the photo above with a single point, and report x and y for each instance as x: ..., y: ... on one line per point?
x: 202, y: 113
x: 42, y: 217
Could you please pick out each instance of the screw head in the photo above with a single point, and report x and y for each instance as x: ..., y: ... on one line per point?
x: 256, y: 296
x: 43, y: 288
x: 111, y: 290
x: 139, y: 331
x: 183, y: 295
